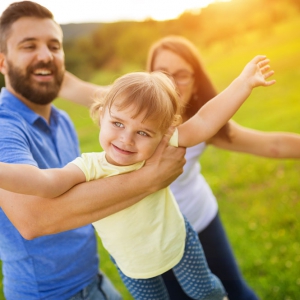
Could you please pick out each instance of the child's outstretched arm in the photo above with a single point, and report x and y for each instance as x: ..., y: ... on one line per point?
x: 216, y: 112
x: 30, y: 180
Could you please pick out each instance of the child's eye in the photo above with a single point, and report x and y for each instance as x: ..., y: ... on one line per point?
x: 143, y: 133
x: 118, y: 124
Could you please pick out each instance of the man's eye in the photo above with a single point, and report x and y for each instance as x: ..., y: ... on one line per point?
x: 54, y: 47
x: 28, y: 47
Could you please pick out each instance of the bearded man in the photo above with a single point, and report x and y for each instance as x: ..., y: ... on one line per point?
x: 62, y: 262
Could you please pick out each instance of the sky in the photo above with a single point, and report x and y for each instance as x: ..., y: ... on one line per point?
x: 85, y: 11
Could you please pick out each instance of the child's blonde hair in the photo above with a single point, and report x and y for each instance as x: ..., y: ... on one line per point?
x: 153, y: 94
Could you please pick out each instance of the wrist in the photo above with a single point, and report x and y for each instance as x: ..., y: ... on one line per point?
x: 147, y: 180
x: 243, y: 85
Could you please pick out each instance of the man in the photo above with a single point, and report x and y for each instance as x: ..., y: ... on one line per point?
x: 64, y: 265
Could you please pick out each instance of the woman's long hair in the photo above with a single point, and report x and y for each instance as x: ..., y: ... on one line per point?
x: 205, y: 89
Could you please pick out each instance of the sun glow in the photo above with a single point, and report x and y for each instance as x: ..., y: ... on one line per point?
x: 70, y: 11
x: 173, y: 10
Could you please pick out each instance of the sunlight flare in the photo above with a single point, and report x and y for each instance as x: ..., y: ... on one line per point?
x: 172, y: 11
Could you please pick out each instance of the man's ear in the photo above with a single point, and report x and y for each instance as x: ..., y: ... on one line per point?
x: 3, y: 68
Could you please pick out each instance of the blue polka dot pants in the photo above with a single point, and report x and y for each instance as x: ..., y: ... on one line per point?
x: 192, y: 273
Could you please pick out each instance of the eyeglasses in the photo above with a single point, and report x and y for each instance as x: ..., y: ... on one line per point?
x: 182, y: 77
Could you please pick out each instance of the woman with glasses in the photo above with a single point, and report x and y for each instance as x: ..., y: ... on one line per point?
x: 179, y: 58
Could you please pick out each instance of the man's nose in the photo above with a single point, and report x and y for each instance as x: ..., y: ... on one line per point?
x: 45, y: 54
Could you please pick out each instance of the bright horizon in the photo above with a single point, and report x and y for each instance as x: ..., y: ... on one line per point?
x: 90, y: 11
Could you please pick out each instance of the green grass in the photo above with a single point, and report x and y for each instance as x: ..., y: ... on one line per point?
x: 258, y: 197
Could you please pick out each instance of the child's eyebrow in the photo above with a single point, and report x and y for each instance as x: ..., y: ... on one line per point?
x: 115, y: 117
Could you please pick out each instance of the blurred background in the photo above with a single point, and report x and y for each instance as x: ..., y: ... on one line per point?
x: 258, y: 197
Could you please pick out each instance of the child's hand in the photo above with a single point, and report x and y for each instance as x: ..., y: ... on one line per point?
x: 257, y: 71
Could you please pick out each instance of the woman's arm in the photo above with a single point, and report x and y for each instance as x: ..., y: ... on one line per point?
x: 79, y: 91
x: 216, y: 112
x: 94, y: 200
x: 267, y: 144
x: 30, y: 180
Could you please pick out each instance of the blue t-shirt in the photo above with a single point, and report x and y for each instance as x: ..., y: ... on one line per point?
x: 54, y: 266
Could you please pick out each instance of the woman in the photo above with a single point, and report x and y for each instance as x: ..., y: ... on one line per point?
x: 179, y: 57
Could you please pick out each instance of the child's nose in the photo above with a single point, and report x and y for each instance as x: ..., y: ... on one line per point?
x: 127, y: 138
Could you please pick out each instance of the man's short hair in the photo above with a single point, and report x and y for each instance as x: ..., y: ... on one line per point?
x: 14, y: 12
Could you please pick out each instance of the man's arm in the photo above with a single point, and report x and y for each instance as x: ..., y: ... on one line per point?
x: 81, y: 92
x: 91, y: 201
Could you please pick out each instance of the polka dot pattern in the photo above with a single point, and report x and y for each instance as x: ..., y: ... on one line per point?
x: 192, y: 273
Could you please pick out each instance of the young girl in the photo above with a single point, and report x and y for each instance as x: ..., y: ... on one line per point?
x: 150, y: 237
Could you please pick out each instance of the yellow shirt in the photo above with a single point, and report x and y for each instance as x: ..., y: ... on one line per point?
x: 147, y: 238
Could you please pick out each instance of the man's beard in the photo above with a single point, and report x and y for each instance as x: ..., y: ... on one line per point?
x: 36, y: 92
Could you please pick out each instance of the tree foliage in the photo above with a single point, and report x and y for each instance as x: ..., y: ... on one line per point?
x: 114, y: 44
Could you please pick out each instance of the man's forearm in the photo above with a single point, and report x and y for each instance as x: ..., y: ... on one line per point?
x: 90, y: 201
x: 82, y: 205
x: 79, y: 91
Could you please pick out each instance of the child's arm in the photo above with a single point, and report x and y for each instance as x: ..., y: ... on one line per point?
x: 30, y: 180
x: 216, y: 112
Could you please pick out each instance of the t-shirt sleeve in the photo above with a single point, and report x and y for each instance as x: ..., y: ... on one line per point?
x: 90, y: 165
x: 174, y: 138
x: 81, y: 164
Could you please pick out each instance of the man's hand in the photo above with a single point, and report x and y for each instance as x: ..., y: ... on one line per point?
x: 166, y: 164
x: 90, y: 201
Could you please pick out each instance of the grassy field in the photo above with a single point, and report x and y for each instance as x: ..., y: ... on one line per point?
x: 258, y: 197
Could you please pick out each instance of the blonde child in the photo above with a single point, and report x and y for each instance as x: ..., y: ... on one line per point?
x: 150, y: 237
